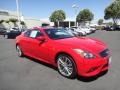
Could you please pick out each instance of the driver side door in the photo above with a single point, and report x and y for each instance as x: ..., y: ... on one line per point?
x: 37, y: 48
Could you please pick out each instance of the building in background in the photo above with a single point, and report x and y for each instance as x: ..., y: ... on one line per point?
x: 29, y: 21
x: 35, y: 22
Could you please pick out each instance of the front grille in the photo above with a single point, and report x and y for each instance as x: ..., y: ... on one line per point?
x: 104, y: 53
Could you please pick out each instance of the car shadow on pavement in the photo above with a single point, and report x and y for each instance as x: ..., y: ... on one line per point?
x: 90, y: 79
x: 80, y: 78
x: 42, y: 63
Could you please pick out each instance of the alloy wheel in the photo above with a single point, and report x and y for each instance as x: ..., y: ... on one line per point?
x: 66, y: 67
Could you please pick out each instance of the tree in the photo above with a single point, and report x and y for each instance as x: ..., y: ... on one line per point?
x: 23, y: 24
x: 1, y: 24
x: 116, y: 0
x: 84, y: 16
x: 8, y: 22
x: 1, y: 21
x: 100, y: 21
x: 113, y: 11
x: 109, y: 23
x: 13, y: 20
x: 57, y: 16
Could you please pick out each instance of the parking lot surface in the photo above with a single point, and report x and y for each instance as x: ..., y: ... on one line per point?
x: 26, y: 74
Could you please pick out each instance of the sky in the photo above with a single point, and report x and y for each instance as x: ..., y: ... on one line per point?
x: 43, y: 8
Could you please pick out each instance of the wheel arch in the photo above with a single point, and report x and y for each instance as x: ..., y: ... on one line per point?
x: 64, y: 53
x: 60, y: 53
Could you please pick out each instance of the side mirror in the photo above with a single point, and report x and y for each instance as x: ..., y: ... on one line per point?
x: 41, y: 38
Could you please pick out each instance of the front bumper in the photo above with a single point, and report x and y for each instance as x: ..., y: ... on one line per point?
x: 93, y: 67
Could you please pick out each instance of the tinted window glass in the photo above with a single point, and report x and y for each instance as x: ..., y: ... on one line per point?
x: 58, y: 33
x: 39, y: 34
x: 27, y: 33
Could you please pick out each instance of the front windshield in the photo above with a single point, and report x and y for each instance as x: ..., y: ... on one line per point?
x: 58, y: 33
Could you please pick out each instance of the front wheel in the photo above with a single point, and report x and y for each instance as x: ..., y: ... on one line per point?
x: 66, y: 66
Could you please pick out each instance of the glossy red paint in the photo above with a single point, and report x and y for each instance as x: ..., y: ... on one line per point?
x: 48, y: 50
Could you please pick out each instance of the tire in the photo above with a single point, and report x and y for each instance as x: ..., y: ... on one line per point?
x: 19, y: 51
x: 6, y: 36
x: 66, y: 66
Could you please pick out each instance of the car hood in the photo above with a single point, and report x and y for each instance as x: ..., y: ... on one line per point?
x: 89, y: 44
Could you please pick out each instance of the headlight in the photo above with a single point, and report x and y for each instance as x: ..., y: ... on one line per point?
x: 84, y: 54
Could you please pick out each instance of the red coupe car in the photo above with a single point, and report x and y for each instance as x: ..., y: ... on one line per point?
x: 71, y: 55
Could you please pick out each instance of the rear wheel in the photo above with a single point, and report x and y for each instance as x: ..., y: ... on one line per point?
x: 66, y: 66
x: 19, y: 51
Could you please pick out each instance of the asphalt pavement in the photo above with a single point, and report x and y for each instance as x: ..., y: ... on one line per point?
x: 28, y: 74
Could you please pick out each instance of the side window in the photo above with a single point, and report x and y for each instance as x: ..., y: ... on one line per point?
x: 39, y: 34
x: 27, y: 33
x: 33, y: 33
